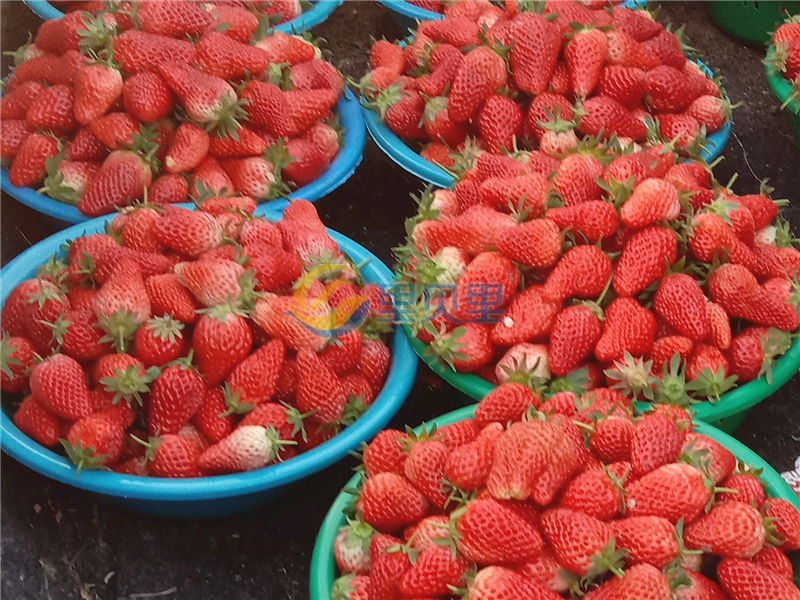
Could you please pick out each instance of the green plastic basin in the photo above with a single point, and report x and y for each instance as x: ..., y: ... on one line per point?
x: 749, y: 20
x: 727, y: 414
x: 323, y: 566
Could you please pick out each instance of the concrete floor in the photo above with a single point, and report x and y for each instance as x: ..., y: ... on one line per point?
x: 60, y: 543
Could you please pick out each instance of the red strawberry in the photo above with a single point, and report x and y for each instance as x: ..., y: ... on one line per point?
x: 386, y: 54
x: 424, y: 468
x: 221, y: 339
x: 124, y: 292
x: 745, y: 580
x: 37, y: 423
x: 318, y: 388
x: 175, y: 396
x: 167, y: 18
x: 524, y: 193
x: 638, y: 24
x: 490, y: 532
x: 122, y: 178
x: 52, y: 110
x: 624, y: 50
x: 529, y: 316
x: 680, y: 301
x: 29, y: 164
x: 585, y: 54
x: 643, y: 260
x: 212, y: 282
x: 576, y: 180
x: 521, y: 454
x: 467, y: 466
x: 535, y: 51
x: 681, y: 128
x: 629, y: 328
x: 49, y: 69
x: 649, y: 540
x: 668, y: 90
x: 604, y: 114
x: 253, y: 380
x: 507, y: 402
x: 385, y: 454
x: 786, y: 523
x: 95, y: 440
x: 481, y: 73
x: 284, y: 48
x: 189, y: 232
x: 747, y: 488
x: 14, y: 133
x: 159, y: 341
x: 594, y: 493
x: 141, y: 51
x: 208, y: 417
x: 15, y: 105
x: 78, y: 334
x: 59, y: 385
x: 169, y: 297
x: 656, y: 441
x: 638, y: 582
x: 574, y: 335
x: 16, y: 354
x: 172, y: 456
x: 85, y: 146
x: 389, y: 503
x: 386, y: 566
x: 652, y: 201
x: 535, y: 243
x: 611, y: 438
x: 187, y: 149
x: 776, y: 561
x: 687, y: 500
x: 575, y: 538
x: 583, y: 272
x: 147, y: 97
x: 494, y: 582
x: 221, y: 56
x: 435, y: 572
x: 731, y: 529
x: 97, y: 88
x: 593, y: 220
x: 710, y: 111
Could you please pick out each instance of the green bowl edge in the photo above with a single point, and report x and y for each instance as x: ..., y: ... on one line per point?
x: 732, y: 403
x: 781, y: 87
x: 323, y: 566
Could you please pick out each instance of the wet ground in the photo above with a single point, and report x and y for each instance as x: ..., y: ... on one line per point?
x: 60, y: 543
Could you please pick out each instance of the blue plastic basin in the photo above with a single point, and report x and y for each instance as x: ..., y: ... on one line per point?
x: 208, y: 496
x: 341, y: 169
x: 321, y: 11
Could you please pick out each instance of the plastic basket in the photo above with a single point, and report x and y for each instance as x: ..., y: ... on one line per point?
x: 323, y: 565
x: 751, y: 20
x: 220, y: 495
x: 726, y: 414
x: 340, y: 170
x: 321, y: 11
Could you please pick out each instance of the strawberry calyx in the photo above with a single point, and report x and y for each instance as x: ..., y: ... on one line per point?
x: 777, y: 57
x: 423, y: 436
x: 775, y: 343
x: 521, y: 372
x: 670, y: 388
x: 609, y: 560
x: 54, y: 185
x: 576, y: 382
x: 444, y: 348
x: 712, y: 385
x: 233, y: 402
x: 55, y: 271
x: 6, y: 360
x: 83, y: 458
x: 44, y: 294
x: 277, y: 445
x: 20, y: 55
x: 359, y: 533
x: 220, y: 312
x: 165, y: 328
x: 246, y: 300
x: 280, y: 75
x: 130, y: 384
x: 119, y: 328
x: 59, y: 327
x: 465, y: 157
x: 433, y: 106
x: 407, y: 548
x: 354, y: 408
x: 384, y: 99
x: 632, y: 376
x: 297, y: 420
x: 343, y: 588
x: 97, y: 37
x: 674, y: 571
x: 145, y: 145
x: 783, y: 234
x: 226, y: 119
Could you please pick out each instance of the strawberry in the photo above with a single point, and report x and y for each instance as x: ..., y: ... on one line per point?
x: 746, y: 487
x: 166, y: 18
x: 212, y: 282
x: 649, y: 540
x: 524, y: 193
x: 221, y: 56
x: 762, y: 208
x: 494, y: 582
x: 535, y: 243
x: 507, y: 402
x: 745, y: 580
x: 384, y: 454
x: 85, y: 146
x: 575, y: 538
x: 681, y: 128
x: 16, y: 354
x: 283, y: 48
x: 206, y: 98
x: 652, y: 201
x: 545, y: 108
x: 97, y: 88
x: 14, y: 133
x: 731, y: 529
x: 351, y: 547
x: 306, y: 162
x: 680, y: 301
x: 325, y: 138
x: 253, y: 380
x: 374, y: 363
x: 481, y: 73
x: 276, y: 316
x: 37, y: 423
x: 529, y: 316
x: 576, y: 180
x: 389, y: 502
x: 175, y: 396
x: 668, y: 90
x: 49, y: 69
x: 545, y: 571
x: 535, y: 52
x: 719, y: 326
x: 574, y: 334
x: 786, y: 523
x: 30, y: 161
x: 386, y: 54
x: 499, y: 121
x: 159, y: 341
x: 520, y: 456
x: 318, y: 388
x: 701, y: 588
x: 594, y: 493
x: 221, y: 339
x: 638, y: 582
x: 466, y: 349
x: 656, y: 441
x: 593, y: 220
x: 772, y: 261
x: 424, y: 468
x: 249, y: 447
x: 172, y: 456
x: 189, y: 232
x: 624, y: 50
x: 638, y: 24
x: 686, y: 501
x: 115, y: 130
x: 585, y: 54
x: 776, y: 561
x: 69, y: 180
x: 169, y: 297
x: 583, y: 272
x: 95, y: 441
x: 188, y: 148
x: 59, y: 385
x: 237, y: 22
x: 52, y: 110
x: 489, y: 532
x: 253, y: 176
x: 15, y: 105
x: 387, y: 567
x: 607, y: 116
x: 78, y: 334
x: 711, y: 112
x: 611, y: 438
x: 642, y: 261
x: 122, y: 178
x: 467, y: 466
x: 434, y: 573
x: 124, y: 292
x: 208, y: 417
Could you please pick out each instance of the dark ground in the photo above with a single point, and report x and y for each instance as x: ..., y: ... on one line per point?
x: 58, y: 542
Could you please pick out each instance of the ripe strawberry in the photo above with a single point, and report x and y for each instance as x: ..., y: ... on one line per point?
x: 78, y: 334
x: 521, y: 454
x: 386, y: 566
x: 481, y: 73
x: 221, y: 340
x: 37, y: 423
x: 535, y: 243
x: 283, y: 48
x: 318, y: 388
x: 159, y: 341
x: 607, y: 116
x: 386, y: 54
x: 14, y: 133
x: 208, y: 417
x: 496, y: 582
x: 771, y: 261
x: 172, y: 456
x: 594, y: 493
x: 638, y: 24
x: 652, y: 201
x: 747, y: 488
x: 668, y: 90
x: 424, y: 468
x: 574, y: 334
x: 253, y: 381
x: 575, y: 538
x: 384, y: 454
x: 49, y: 69
x: 16, y: 356
x: 681, y: 128
x: 642, y: 261
x: 593, y: 220
x: 507, y: 402
x: 253, y: 176
x: 624, y: 50
x: 649, y: 540
x: 52, y: 110
x: 490, y: 532
x: 95, y: 440
x: 189, y: 232
x: 576, y: 180
x: 97, y: 88
x: 719, y: 326
x: 175, y: 396
x: 212, y: 282
x: 276, y: 316
x: 710, y: 111
x: 535, y: 51
x: 30, y: 161
x: 86, y: 147
x: 169, y: 297
x: 731, y: 529
x: 467, y: 466
x: 166, y: 18
x: 524, y: 193
x: 122, y: 179
x: 124, y: 292
x: 15, y: 105
x: 776, y: 561
x: 583, y: 272
x: 389, y: 502
x: 529, y: 316
x: 686, y: 501
x: 435, y: 572
x: 585, y: 54
x: 680, y: 301
x: 188, y: 148
x: 611, y: 438
x: 656, y: 441
x: 221, y: 56
x: 640, y: 581
x: 147, y: 97
x: 786, y: 523
x: 59, y: 385
x: 499, y: 121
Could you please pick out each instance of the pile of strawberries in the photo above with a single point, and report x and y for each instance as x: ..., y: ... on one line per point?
x: 569, y: 497
x: 183, y: 326
x: 279, y: 11
x: 512, y: 79
x: 784, y: 57
x: 631, y: 269
x: 105, y: 105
